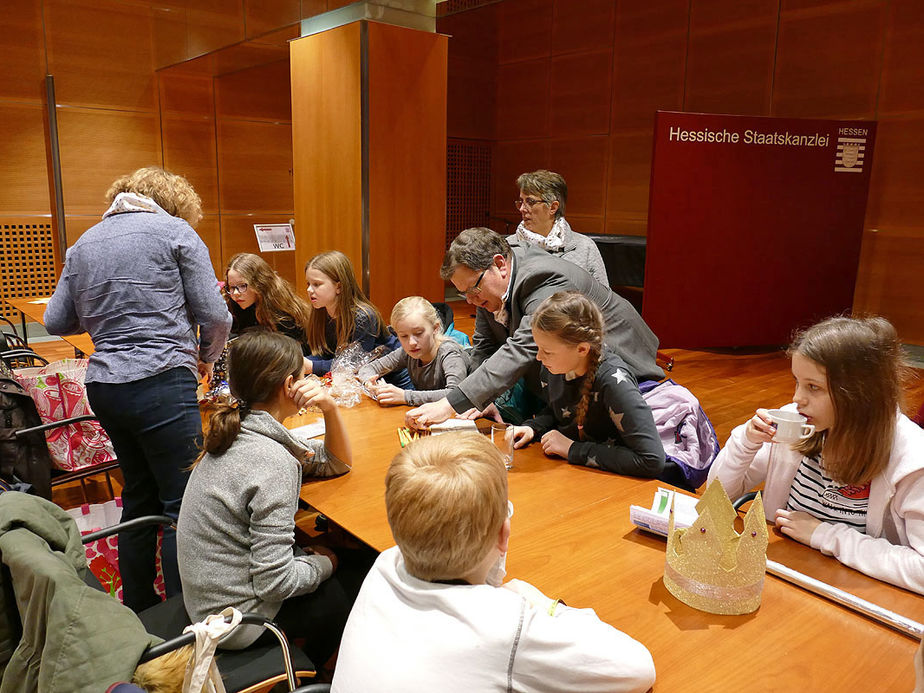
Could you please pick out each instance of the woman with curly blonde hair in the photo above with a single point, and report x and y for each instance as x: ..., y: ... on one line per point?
x: 141, y: 284
x: 259, y: 298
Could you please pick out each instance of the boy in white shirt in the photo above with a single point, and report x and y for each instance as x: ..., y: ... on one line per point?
x: 431, y: 614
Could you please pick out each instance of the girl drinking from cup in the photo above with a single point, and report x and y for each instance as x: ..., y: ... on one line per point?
x: 595, y: 415
x: 235, y: 532
x: 259, y: 298
x: 342, y: 314
x: 434, y: 362
x: 854, y: 487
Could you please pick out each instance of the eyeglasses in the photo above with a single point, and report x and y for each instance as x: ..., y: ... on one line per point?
x: 239, y: 289
x: 474, y: 289
x: 529, y: 202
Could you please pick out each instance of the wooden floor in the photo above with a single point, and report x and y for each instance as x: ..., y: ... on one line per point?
x: 729, y: 383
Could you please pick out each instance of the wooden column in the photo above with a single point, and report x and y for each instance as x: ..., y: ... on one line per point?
x: 369, y: 150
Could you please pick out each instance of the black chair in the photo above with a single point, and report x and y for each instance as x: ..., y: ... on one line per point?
x: 243, y: 671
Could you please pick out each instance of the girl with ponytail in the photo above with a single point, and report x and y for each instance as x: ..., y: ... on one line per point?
x: 235, y: 533
x: 595, y: 415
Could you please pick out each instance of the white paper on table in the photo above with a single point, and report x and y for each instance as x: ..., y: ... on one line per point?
x: 41, y: 300
x: 657, y: 518
x: 453, y: 425
x: 312, y: 430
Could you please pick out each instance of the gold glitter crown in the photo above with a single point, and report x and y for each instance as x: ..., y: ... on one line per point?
x: 709, y: 565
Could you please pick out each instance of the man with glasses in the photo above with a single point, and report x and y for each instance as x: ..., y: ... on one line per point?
x: 506, y: 286
x: 541, y: 205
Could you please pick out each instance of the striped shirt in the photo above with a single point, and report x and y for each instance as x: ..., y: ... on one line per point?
x: 817, y: 494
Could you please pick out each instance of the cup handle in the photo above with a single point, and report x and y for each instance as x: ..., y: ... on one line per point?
x: 807, y: 430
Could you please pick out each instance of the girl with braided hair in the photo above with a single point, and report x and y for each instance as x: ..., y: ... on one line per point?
x: 595, y: 416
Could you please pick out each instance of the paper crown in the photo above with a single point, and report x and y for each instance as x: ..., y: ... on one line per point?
x: 710, y: 566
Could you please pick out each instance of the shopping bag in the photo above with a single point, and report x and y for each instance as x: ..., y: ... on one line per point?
x: 59, y: 393
x: 103, y: 554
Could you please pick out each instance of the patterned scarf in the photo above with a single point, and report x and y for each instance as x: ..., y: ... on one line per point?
x: 561, y: 230
x: 132, y: 202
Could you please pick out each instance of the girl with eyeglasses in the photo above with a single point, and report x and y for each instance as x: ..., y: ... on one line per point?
x: 259, y: 298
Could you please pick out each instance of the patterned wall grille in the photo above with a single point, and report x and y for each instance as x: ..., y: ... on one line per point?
x: 27, y: 261
x: 468, y: 190
x: 453, y: 6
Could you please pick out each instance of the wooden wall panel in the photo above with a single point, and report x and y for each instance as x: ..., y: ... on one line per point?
x: 168, y: 32
x: 261, y: 92
x: 23, y: 169
x: 649, y: 57
x: 523, y: 100
x: 261, y: 16
x: 628, y: 182
x: 524, y: 30
x: 255, y: 161
x: 730, y: 57
x: 582, y: 162
x: 902, y: 87
x: 896, y: 197
x: 237, y: 236
x: 580, y: 94
x: 212, y: 24
x: 189, y: 149
x: 889, y: 281
x: 97, y: 146
x: 829, y: 62
x: 407, y: 163
x: 582, y: 26
x: 209, y: 230
x: 327, y: 144
x: 510, y: 160
x: 186, y: 94
x: 111, y: 70
x: 22, y: 51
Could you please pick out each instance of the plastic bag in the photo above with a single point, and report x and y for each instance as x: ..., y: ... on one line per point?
x: 59, y: 393
x: 345, y: 388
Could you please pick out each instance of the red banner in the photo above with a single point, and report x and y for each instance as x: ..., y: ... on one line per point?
x: 754, y: 225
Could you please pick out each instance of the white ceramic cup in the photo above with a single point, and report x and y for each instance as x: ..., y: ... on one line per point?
x: 502, y: 437
x: 790, y: 426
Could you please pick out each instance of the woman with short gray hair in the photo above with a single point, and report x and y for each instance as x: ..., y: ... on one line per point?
x: 543, y: 195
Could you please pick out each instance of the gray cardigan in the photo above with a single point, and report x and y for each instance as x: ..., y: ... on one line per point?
x: 577, y: 249
x: 236, y: 530
x: 502, y: 354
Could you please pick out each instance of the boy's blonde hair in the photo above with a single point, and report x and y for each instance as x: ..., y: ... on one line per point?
x: 446, y: 497
x: 412, y: 305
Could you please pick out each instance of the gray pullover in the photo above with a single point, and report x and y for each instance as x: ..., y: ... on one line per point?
x: 236, y: 530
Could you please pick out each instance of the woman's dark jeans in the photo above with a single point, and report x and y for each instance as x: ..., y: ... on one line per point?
x: 156, y: 432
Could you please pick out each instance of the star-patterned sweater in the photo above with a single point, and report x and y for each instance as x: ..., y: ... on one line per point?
x: 619, y: 430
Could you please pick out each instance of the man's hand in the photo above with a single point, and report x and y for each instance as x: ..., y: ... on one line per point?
x: 426, y: 415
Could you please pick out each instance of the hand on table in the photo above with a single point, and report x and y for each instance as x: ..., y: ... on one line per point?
x: 386, y: 393
x: 760, y: 428
x: 522, y: 436
x: 426, y: 415
x: 557, y: 444
x: 797, y: 525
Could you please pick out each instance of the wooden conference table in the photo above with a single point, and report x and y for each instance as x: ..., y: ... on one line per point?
x: 572, y: 538
x: 34, y: 307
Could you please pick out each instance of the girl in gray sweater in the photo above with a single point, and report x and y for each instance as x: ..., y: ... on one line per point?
x: 434, y: 361
x: 235, y: 534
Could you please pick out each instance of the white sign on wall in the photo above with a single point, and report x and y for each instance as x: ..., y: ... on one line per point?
x: 274, y: 237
